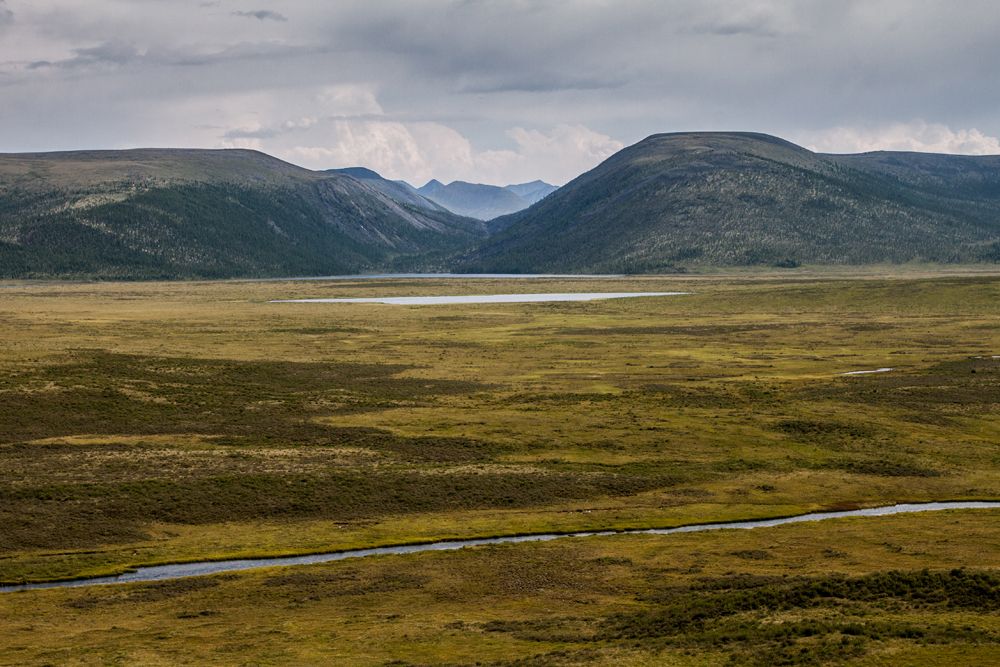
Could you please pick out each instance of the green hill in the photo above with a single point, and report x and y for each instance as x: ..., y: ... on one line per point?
x: 161, y: 213
x: 728, y: 199
x: 670, y: 202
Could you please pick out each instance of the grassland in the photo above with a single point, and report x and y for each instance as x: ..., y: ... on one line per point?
x: 146, y: 423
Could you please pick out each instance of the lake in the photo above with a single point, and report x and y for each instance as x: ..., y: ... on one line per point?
x: 485, y: 298
x: 431, y: 276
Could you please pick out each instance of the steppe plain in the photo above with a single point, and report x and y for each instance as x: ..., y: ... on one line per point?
x: 145, y: 423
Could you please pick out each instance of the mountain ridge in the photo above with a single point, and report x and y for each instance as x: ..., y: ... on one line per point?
x: 401, y: 191
x: 533, y: 191
x: 677, y: 200
x: 672, y: 202
x: 175, y: 213
x: 475, y: 200
x: 482, y: 201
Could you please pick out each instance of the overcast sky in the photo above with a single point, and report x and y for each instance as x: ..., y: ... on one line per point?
x: 494, y: 92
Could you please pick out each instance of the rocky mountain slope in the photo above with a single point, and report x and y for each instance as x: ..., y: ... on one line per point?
x: 401, y: 191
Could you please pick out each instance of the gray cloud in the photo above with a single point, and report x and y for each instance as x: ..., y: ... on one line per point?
x: 535, y: 82
x: 108, y: 53
x: 263, y: 133
x: 118, y: 54
x: 410, y: 76
x: 756, y: 20
x: 262, y: 15
x: 6, y: 15
x: 756, y: 27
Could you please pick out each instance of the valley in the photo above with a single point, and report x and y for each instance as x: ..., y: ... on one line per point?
x: 152, y: 423
x: 676, y: 203
x: 499, y: 334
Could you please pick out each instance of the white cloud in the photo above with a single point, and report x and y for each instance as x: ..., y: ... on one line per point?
x: 243, y: 142
x: 258, y: 131
x: 913, y: 136
x: 562, y: 154
x: 327, y: 104
x: 387, y: 147
x: 349, y: 100
x: 417, y: 152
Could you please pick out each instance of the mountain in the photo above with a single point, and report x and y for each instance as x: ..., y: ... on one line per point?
x: 482, y: 202
x: 401, y: 191
x: 485, y: 202
x: 532, y: 192
x: 475, y: 200
x: 682, y: 200
x: 164, y: 213
x: 670, y: 202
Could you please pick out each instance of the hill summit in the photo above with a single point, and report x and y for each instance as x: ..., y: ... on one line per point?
x: 736, y: 198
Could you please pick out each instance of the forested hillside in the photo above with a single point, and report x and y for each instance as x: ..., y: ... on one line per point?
x: 735, y: 199
x: 193, y: 213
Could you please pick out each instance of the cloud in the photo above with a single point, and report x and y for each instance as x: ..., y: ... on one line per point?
x: 328, y: 103
x: 112, y: 52
x: 418, y: 152
x: 390, y: 148
x: 251, y: 143
x: 108, y: 53
x: 912, y: 136
x: 113, y: 73
x: 119, y: 54
x: 760, y: 20
x: 539, y: 81
x: 349, y: 100
x: 563, y: 153
x: 260, y: 132
x: 262, y: 15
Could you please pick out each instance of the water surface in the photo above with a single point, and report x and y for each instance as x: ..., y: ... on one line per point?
x: 877, y: 370
x: 485, y: 298
x: 177, y: 571
x: 422, y: 276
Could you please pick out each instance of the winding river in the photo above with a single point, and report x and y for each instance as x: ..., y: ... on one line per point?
x: 179, y: 570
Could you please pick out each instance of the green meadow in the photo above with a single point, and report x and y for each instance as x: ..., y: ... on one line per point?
x: 147, y: 423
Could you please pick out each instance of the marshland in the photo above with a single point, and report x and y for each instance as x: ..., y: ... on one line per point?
x: 155, y: 423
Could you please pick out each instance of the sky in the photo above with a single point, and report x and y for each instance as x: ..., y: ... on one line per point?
x: 494, y: 92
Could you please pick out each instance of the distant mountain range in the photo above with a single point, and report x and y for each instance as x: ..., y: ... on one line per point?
x: 532, y: 192
x: 669, y: 203
x: 682, y: 200
x: 485, y: 202
x: 474, y: 200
